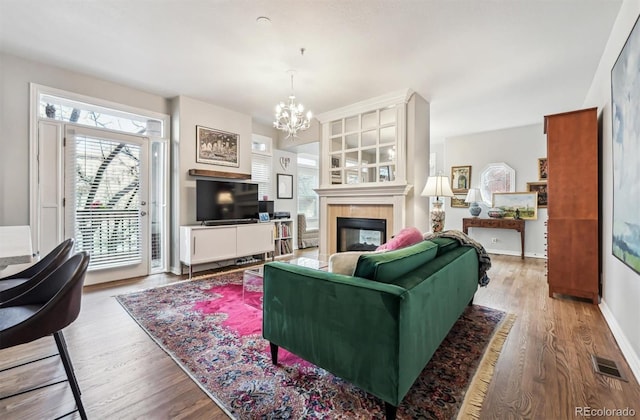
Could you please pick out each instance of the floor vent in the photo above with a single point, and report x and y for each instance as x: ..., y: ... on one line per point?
x: 607, y: 367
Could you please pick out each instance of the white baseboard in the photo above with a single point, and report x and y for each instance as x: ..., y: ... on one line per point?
x: 514, y: 253
x: 627, y: 351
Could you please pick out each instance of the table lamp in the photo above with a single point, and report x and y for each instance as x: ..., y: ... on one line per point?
x: 473, y: 196
x: 437, y: 186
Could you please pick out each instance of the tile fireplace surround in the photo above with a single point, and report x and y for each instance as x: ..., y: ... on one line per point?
x: 388, y: 202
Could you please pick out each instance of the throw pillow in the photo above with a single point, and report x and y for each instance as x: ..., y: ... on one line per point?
x: 406, y: 237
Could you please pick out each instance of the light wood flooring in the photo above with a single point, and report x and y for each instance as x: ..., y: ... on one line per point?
x: 543, y: 372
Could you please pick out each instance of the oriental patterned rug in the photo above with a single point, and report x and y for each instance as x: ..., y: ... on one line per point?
x: 216, y: 338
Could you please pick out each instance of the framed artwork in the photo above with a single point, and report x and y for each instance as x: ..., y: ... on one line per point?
x: 263, y: 217
x: 459, y: 202
x: 216, y: 147
x: 285, y: 186
x: 542, y: 169
x: 460, y: 179
x: 625, y: 100
x: 541, y: 189
x: 523, y: 205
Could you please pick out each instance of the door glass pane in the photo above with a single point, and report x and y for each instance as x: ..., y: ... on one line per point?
x: 387, y: 154
x: 368, y: 174
x: 351, y: 159
x: 388, y: 115
x: 157, y: 209
x: 336, y: 177
x: 336, y: 144
x: 369, y: 156
x: 369, y: 138
x: 386, y: 173
x: 370, y: 120
x: 388, y: 135
x: 336, y: 127
x: 351, y: 124
x: 107, y: 202
x: 351, y: 141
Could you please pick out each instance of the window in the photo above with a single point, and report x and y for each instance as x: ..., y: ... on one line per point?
x: 261, y: 164
x: 69, y: 110
x: 308, y: 180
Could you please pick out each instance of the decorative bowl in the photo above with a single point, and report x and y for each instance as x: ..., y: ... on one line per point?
x: 496, y: 213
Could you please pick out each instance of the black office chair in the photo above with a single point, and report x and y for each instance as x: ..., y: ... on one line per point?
x: 16, y: 284
x: 44, y: 310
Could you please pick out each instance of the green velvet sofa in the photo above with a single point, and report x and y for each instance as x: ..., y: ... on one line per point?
x: 378, y: 328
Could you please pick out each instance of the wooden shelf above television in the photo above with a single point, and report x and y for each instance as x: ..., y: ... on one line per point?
x: 218, y: 174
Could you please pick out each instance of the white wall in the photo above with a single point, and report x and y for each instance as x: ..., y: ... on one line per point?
x: 285, y: 204
x: 187, y: 113
x: 519, y: 148
x: 621, y: 285
x: 15, y: 76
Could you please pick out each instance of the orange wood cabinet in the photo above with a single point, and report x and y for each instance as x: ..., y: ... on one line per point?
x: 573, y: 244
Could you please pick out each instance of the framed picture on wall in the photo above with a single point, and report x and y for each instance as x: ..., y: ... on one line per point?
x: 460, y: 179
x: 216, y: 147
x: 459, y: 202
x: 285, y: 186
x: 542, y: 169
x: 541, y: 189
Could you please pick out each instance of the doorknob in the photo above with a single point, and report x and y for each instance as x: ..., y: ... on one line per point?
x: 143, y: 213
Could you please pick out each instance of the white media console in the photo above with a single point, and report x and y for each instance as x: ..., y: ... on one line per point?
x: 206, y: 244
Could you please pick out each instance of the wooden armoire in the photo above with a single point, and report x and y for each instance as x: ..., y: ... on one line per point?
x: 573, y: 243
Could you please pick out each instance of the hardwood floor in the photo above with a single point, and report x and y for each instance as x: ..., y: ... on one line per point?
x: 544, y: 370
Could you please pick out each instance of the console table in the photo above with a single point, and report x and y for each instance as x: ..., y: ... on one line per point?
x: 515, y: 224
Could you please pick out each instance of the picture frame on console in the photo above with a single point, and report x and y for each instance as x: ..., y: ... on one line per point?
x: 284, y: 186
x: 523, y: 205
x: 216, y: 147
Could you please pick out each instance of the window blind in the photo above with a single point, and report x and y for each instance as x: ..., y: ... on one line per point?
x: 106, y: 202
x: 261, y: 174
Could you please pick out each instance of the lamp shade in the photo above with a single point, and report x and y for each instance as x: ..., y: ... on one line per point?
x: 473, y: 196
x: 437, y: 186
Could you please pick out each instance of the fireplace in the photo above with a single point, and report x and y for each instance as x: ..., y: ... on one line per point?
x: 360, y: 234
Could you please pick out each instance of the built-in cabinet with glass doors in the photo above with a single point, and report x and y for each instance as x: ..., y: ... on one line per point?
x: 362, y: 147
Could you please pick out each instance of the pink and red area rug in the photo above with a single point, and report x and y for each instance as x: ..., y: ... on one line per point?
x: 205, y: 326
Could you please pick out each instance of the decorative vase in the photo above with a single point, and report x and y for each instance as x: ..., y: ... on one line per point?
x: 496, y: 213
x: 437, y: 217
x: 475, y: 209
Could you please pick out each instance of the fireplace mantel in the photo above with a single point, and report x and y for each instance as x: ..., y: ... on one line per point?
x: 360, y: 190
x: 362, y: 198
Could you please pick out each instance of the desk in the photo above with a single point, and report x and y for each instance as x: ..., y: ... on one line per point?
x: 15, y: 245
x: 515, y: 224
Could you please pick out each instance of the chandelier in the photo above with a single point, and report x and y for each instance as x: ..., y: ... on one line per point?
x: 290, y: 117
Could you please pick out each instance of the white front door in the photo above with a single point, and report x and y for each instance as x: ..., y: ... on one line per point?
x: 106, y: 195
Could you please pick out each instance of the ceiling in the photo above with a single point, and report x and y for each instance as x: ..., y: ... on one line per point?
x: 482, y: 64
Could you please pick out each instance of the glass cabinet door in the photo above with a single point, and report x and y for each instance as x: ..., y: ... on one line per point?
x: 363, y: 147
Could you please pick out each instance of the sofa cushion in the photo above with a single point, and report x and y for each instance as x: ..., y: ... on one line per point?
x: 445, y: 244
x: 406, y: 237
x: 388, y: 266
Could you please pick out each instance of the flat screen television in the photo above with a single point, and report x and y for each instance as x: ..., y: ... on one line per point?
x: 226, y: 201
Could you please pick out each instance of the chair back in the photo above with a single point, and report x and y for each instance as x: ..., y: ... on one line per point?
x: 49, y: 262
x: 57, y: 300
x: 38, y: 271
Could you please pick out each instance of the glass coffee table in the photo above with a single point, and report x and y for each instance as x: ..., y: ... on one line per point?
x: 252, y: 279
